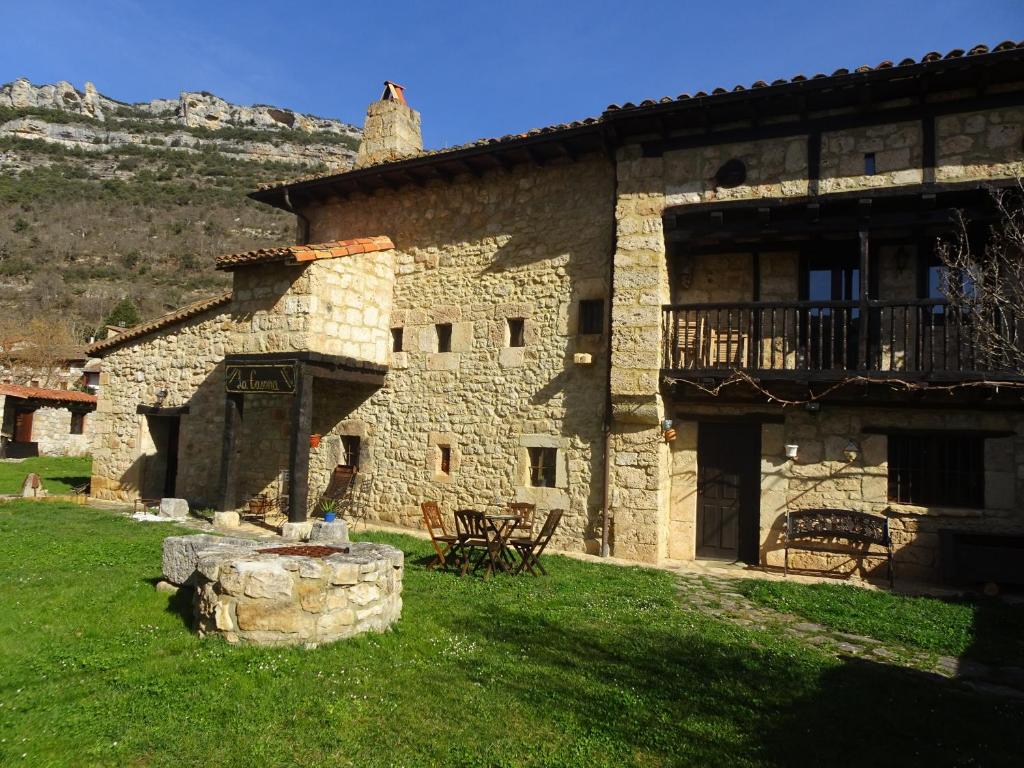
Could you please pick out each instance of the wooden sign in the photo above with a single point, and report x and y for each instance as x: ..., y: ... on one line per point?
x: 260, y: 378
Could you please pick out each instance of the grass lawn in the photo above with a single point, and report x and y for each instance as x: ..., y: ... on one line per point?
x: 59, y: 473
x: 592, y: 666
x: 987, y: 630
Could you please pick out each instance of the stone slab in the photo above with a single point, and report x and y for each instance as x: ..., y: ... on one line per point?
x: 176, y: 508
x: 296, y: 531
x: 226, y: 520
x: 335, y: 532
x: 181, y: 554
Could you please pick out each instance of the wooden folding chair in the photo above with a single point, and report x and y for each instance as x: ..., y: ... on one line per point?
x: 471, y: 534
x: 531, y: 550
x: 443, y: 541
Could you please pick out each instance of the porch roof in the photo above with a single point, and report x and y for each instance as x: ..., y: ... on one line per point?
x: 300, y: 254
x: 55, y: 397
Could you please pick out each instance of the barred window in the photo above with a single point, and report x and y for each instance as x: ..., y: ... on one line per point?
x: 542, y: 467
x: 591, y: 316
x: 349, y: 451
x: 945, y: 470
x: 77, y: 423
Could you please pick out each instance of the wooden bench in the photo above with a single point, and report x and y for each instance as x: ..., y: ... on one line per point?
x: 807, y: 525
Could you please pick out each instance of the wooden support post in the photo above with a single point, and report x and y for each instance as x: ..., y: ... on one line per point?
x: 233, y: 407
x: 865, y: 292
x: 298, y: 463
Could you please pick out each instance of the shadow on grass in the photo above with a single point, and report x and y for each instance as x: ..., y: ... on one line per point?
x: 717, y: 694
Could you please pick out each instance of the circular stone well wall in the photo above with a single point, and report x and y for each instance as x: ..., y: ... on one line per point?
x: 293, y: 597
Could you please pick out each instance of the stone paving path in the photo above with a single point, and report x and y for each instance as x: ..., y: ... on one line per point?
x: 717, y: 596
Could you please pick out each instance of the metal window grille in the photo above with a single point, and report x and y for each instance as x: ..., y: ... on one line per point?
x: 542, y: 467
x: 349, y: 451
x: 931, y: 469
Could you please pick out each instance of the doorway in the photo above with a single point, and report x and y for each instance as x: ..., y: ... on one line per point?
x: 160, y: 471
x: 728, y: 491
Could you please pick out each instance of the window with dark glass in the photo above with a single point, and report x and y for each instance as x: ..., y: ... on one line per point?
x: 77, y: 423
x: 349, y: 451
x: 869, y: 164
x: 444, y: 337
x: 516, y: 332
x: 933, y: 469
x: 542, y: 467
x: 592, y: 316
x: 397, y: 337
x: 446, y: 459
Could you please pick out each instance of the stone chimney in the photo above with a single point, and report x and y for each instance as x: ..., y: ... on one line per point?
x: 391, y: 130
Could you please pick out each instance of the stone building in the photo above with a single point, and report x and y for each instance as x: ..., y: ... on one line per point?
x: 675, y: 321
x: 44, y: 422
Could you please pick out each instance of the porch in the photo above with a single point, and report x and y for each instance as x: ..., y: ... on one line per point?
x: 919, y: 339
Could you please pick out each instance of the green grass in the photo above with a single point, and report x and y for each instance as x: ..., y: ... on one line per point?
x: 985, y: 629
x: 591, y: 666
x: 60, y: 474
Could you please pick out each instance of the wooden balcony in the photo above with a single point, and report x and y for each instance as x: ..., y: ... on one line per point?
x: 825, y: 340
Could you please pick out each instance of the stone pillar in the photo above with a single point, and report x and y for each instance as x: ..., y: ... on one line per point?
x: 232, y: 428
x: 302, y: 427
x: 640, y: 478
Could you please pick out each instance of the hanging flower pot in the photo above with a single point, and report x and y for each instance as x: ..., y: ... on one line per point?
x: 314, y: 441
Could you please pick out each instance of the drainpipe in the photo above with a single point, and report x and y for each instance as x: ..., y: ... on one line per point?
x: 606, y: 501
x: 305, y: 222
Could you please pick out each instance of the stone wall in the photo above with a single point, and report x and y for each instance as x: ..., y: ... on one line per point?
x: 339, y: 306
x: 186, y: 360
x: 528, y: 243
x: 51, y: 429
x: 821, y: 476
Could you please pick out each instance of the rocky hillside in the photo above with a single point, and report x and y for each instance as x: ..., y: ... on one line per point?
x: 100, y: 199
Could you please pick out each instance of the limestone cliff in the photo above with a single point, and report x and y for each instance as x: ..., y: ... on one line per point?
x: 61, y: 114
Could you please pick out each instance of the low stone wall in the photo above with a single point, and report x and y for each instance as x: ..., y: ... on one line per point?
x: 265, y: 598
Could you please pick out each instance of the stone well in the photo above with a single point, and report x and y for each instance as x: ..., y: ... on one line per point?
x: 305, y: 594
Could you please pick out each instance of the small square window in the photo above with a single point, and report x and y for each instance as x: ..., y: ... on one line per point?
x: 77, y: 423
x: 516, y: 332
x: 397, y: 337
x: 591, y: 316
x: 349, y: 451
x: 542, y: 467
x: 444, y: 337
x: 869, y: 164
x: 445, y: 459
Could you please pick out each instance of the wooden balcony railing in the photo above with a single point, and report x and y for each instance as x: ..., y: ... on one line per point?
x: 824, y: 339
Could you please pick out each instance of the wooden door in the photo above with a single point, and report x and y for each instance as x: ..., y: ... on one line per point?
x: 23, y: 427
x: 728, y: 490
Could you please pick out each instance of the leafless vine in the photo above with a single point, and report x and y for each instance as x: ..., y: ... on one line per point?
x: 983, y: 280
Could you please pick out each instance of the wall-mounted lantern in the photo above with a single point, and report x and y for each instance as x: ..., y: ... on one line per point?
x: 667, y: 430
x: 851, y: 451
x: 792, y: 449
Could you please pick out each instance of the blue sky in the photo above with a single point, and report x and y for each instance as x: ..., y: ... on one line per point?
x: 472, y: 69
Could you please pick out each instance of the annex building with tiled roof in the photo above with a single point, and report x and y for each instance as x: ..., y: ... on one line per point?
x: 680, y: 322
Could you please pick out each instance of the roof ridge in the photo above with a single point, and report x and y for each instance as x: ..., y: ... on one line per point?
x: 611, y: 109
x: 169, y: 318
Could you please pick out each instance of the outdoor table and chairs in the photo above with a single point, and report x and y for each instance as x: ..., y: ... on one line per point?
x: 500, y: 541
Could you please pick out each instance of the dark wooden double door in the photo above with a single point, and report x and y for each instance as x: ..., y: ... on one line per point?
x: 728, y: 490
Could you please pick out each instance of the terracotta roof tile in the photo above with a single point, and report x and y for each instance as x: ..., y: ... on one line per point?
x: 144, y: 329
x: 55, y: 395
x: 299, y: 254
